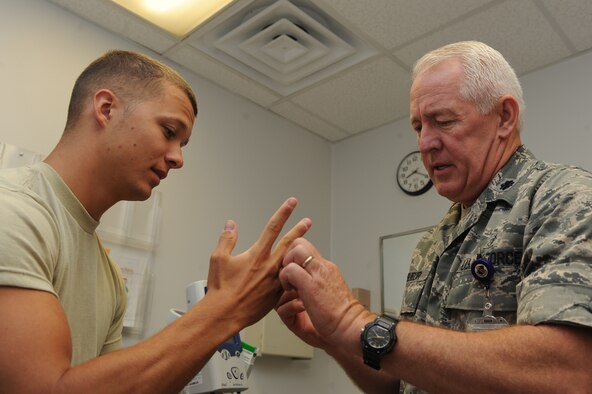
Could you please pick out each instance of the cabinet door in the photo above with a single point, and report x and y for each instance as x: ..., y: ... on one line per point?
x: 272, y: 337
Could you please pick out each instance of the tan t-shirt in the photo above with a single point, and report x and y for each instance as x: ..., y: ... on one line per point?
x: 48, y: 242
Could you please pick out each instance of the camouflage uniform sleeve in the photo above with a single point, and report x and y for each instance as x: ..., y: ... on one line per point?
x: 556, y: 285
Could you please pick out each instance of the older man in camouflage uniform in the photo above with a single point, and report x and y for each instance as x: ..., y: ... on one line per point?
x: 533, y: 224
x: 499, y: 294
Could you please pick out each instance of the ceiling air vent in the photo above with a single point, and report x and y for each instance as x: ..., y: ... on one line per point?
x: 283, y: 46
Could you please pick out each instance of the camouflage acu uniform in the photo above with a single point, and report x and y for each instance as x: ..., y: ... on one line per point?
x: 534, y: 223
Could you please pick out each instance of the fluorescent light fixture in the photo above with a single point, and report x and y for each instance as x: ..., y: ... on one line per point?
x: 178, y: 17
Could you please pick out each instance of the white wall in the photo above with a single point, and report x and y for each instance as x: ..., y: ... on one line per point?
x: 558, y: 121
x: 241, y: 163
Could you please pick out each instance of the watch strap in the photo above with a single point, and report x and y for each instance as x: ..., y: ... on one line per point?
x: 372, y: 359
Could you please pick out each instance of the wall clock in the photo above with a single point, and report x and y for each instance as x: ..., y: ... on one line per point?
x: 412, y: 176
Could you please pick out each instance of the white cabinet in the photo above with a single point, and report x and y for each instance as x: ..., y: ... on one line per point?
x: 273, y: 338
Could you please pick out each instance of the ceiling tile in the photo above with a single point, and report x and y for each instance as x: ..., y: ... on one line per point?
x: 208, y: 68
x: 120, y: 21
x: 362, y: 98
x: 575, y: 19
x: 516, y: 28
x: 395, y: 22
x: 309, y: 121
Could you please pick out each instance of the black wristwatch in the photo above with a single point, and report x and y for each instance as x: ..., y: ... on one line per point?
x: 378, y: 338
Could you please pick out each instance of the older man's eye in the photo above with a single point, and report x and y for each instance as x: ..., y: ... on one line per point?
x: 445, y: 123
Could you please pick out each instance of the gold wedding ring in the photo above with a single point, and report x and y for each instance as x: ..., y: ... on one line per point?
x: 307, y: 261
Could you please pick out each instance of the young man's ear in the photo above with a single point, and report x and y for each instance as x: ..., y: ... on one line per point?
x: 509, y: 111
x: 103, y: 102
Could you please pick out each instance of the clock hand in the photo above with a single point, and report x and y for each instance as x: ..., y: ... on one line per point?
x: 414, y: 172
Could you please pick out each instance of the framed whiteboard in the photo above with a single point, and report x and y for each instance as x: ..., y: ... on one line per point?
x: 396, y: 251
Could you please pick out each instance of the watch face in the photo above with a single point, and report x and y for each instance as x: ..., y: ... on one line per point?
x: 412, y: 176
x: 378, y: 337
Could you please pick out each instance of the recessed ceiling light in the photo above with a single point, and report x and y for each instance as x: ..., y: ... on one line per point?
x: 178, y: 17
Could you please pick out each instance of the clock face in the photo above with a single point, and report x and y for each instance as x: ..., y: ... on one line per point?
x: 412, y: 176
x: 377, y: 337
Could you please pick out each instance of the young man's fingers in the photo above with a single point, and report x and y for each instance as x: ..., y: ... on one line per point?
x: 295, y: 232
x: 275, y: 224
x: 226, y: 241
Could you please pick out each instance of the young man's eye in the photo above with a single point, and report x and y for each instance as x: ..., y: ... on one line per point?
x: 168, y: 132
